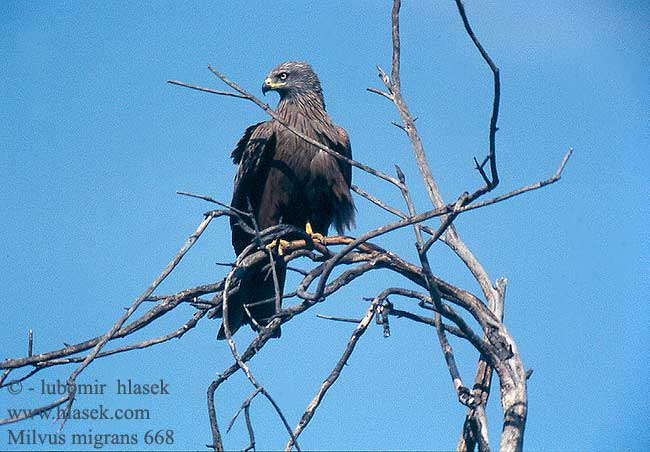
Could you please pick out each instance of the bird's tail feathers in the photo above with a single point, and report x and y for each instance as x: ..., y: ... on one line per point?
x: 257, y: 292
x: 344, y: 212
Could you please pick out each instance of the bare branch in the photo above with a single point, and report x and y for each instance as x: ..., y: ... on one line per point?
x: 4, y: 376
x: 337, y: 319
x: 214, y: 201
x: 463, y: 393
x: 179, y: 332
x: 245, y: 404
x: 336, y: 372
x: 395, y: 75
x: 556, y: 177
x: 46, y: 359
x: 381, y: 93
x: 207, y: 90
x: 102, y: 340
x: 217, y: 443
x: 495, y: 105
x: 426, y: 320
x: 394, y: 86
x: 446, y: 223
x: 453, y: 240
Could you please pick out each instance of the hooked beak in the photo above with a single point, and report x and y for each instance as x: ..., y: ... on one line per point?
x: 267, y: 85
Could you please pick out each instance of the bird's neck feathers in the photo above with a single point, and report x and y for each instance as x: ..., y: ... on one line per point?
x: 310, y: 105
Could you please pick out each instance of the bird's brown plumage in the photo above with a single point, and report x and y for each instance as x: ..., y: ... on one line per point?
x: 287, y: 180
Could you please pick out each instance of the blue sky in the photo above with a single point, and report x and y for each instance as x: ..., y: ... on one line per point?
x: 94, y: 145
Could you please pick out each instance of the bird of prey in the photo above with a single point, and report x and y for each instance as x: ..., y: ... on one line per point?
x: 285, y: 180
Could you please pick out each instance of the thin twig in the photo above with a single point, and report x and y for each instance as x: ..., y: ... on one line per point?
x: 408, y: 123
x: 556, y: 177
x: 495, y: 103
x: 378, y: 202
x: 177, y: 333
x: 4, y: 376
x: 246, y: 403
x: 253, y: 348
x: 425, y: 320
x: 381, y: 93
x: 335, y: 373
x: 337, y: 319
x: 207, y: 90
x: 249, y: 427
x: 446, y: 223
x: 214, y: 201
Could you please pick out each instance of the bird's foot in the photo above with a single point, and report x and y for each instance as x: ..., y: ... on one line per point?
x: 279, y: 244
x: 315, y: 236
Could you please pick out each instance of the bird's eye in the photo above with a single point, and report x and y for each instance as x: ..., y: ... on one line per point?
x: 283, y: 75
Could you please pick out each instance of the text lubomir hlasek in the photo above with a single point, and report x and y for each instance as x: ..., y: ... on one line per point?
x: 122, y: 387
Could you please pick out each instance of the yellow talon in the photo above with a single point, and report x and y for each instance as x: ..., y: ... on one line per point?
x: 315, y: 236
x: 280, y: 244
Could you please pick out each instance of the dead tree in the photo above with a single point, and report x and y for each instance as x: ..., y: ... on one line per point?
x: 440, y: 305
